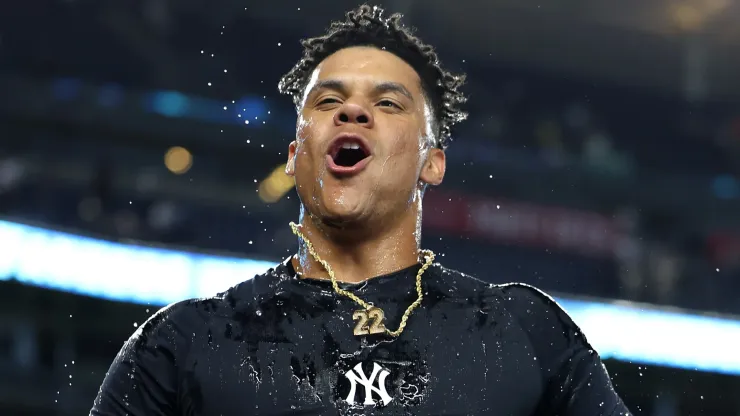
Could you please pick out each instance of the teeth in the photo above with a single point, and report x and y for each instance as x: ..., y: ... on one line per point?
x: 350, y: 146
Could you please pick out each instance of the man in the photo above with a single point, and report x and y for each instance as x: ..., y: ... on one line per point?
x: 360, y: 321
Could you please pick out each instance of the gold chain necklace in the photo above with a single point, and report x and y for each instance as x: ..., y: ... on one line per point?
x: 370, y: 312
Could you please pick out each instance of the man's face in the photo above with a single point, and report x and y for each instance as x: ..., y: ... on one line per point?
x: 363, y: 138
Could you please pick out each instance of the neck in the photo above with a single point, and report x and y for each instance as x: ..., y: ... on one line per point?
x: 355, y: 255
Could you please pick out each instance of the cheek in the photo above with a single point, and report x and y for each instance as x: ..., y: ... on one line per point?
x: 309, y: 150
x: 407, y: 146
x: 409, y: 153
x: 306, y: 132
x: 303, y: 129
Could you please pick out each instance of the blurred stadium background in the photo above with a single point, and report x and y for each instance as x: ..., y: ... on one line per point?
x: 142, y: 145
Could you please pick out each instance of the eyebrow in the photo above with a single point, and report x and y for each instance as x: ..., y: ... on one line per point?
x: 378, y: 88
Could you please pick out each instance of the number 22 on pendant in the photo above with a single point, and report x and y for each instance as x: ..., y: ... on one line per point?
x: 362, y: 317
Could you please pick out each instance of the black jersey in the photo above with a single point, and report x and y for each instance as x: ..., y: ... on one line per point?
x: 278, y: 344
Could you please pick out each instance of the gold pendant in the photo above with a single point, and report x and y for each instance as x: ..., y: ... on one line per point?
x: 375, y: 316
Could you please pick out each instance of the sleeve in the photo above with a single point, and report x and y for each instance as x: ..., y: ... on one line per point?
x: 143, y: 379
x: 576, y: 380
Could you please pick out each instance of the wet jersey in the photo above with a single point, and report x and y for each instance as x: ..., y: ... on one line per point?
x: 278, y: 344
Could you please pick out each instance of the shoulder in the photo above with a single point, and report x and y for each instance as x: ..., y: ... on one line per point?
x: 461, y: 284
x: 249, y: 291
x: 535, y: 311
x: 541, y: 316
x: 514, y: 294
x: 180, y: 317
x: 189, y: 315
x: 174, y: 328
x: 522, y: 295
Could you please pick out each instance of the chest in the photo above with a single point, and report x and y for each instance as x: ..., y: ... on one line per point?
x: 447, y: 361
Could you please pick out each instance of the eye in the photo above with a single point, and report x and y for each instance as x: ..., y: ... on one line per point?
x: 328, y: 100
x: 388, y: 103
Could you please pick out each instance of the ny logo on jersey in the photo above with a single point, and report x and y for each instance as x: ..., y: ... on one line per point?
x: 356, y: 376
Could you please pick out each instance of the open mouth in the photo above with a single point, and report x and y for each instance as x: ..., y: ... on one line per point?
x: 349, y: 154
x: 348, y: 151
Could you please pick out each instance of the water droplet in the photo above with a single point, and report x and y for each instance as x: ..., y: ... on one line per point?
x: 135, y: 324
x: 279, y: 44
x: 209, y: 84
x: 246, y: 121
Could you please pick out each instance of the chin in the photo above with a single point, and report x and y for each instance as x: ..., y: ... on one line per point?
x: 342, y: 218
x: 343, y: 213
x: 344, y: 201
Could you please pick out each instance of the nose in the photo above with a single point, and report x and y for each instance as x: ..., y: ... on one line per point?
x: 353, y: 113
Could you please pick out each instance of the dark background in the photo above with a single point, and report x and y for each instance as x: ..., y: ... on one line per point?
x: 601, y: 160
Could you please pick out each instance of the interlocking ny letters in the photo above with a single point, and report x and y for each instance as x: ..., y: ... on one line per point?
x: 356, y: 376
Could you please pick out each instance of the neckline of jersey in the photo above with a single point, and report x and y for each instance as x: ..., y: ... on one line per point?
x: 405, y: 277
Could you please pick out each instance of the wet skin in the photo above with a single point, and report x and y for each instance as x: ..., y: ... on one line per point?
x: 378, y: 96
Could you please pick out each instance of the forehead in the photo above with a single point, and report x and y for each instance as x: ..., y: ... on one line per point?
x: 367, y: 64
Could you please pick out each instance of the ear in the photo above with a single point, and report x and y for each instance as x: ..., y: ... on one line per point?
x: 290, y: 166
x: 433, y: 171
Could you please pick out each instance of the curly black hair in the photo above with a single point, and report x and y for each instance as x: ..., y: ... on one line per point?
x: 366, y: 26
